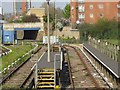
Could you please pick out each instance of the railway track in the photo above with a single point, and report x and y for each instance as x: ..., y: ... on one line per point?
x: 22, y: 75
x: 83, y: 74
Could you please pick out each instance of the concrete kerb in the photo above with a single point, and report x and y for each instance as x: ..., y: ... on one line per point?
x: 4, y: 70
x: 9, y: 67
x: 12, y: 64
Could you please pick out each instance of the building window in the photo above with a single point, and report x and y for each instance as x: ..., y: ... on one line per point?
x: 118, y: 14
x: 118, y: 5
x: 101, y: 15
x: 91, y: 15
x: 81, y: 1
x: 81, y: 16
x: 100, y: 6
x: 81, y: 8
x: 91, y: 6
x: 72, y: 8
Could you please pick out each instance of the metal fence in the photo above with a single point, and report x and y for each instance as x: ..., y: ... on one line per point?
x: 111, y: 50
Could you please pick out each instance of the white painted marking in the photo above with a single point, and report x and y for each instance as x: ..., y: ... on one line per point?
x: 19, y: 59
x: 33, y: 67
x: 41, y: 56
x: 38, y: 61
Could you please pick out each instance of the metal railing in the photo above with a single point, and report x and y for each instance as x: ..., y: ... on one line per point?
x: 109, y: 49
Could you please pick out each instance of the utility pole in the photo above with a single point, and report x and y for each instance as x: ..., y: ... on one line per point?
x: 48, y: 27
x: 55, y: 24
x: 55, y: 17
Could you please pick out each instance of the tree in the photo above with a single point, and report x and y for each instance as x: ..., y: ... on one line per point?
x: 25, y: 18
x: 103, y: 29
x: 66, y: 11
x: 53, y: 11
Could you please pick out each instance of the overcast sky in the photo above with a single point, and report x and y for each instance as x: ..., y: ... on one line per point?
x: 7, y: 5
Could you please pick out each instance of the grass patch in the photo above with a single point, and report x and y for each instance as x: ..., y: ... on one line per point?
x: 17, y: 52
x: 113, y: 41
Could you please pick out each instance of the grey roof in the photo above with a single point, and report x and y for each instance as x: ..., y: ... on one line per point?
x: 109, y: 63
x: 43, y: 63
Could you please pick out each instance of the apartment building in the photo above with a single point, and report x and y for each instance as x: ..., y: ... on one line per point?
x: 119, y: 11
x: 91, y: 11
x: 21, y: 7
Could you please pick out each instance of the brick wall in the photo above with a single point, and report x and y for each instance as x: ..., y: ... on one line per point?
x: 68, y: 32
x: 74, y: 13
x: 108, y: 11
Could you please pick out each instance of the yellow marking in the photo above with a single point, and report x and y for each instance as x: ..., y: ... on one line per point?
x: 45, y: 75
x: 46, y: 69
x: 45, y: 79
x: 57, y: 87
x: 45, y: 72
x: 45, y: 86
x: 45, y: 82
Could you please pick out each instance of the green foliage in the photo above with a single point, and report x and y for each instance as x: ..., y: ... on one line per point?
x: 103, y: 29
x: 60, y: 26
x: 66, y: 11
x: 45, y: 18
x: 26, y: 18
x: 67, y: 39
x: 50, y: 19
x: 16, y: 53
x: 53, y: 10
x: 30, y: 18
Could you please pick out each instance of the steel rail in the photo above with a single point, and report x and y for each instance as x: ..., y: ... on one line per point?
x: 88, y: 70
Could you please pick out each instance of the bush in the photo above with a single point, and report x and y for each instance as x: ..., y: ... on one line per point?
x: 68, y: 40
x: 103, y: 29
x: 26, y: 18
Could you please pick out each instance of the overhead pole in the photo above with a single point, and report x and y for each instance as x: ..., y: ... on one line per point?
x: 55, y: 18
x: 48, y: 27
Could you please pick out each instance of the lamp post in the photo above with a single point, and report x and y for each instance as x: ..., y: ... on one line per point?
x: 48, y: 27
x: 55, y: 25
x: 55, y: 17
